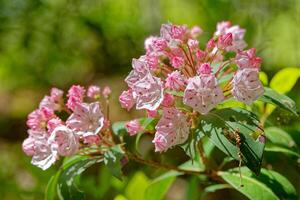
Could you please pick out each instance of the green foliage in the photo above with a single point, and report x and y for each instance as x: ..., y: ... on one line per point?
x: 113, y: 160
x: 280, y: 100
x: 222, y: 125
x: 285, y: 79
x: 64, y: 180
x: 268, y: 185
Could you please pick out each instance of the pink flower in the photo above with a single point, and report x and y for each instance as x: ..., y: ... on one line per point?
x: 171, y: 129
x: 248, y: 59
x: 152, y: 60
x: 106, y: 92
x: 53, y: 123
x: 203, y: 93
x: 193, y: 44
x: 196, y: 31
x: 246, y: 85
x: 89, y: 138
x: 148, y: 92
x: 148, y: 44
x: 178, y: 32
x: 177, y: 61
x: 54, y: 101
x: 165, y: 31
x: 140, y: 69
x: 75, y: 96
x: 45, y: 155
x: 159, y: 44
x: 126, y: 99
x: 225, y: 40
x: 133, y: 127
x: 175, y: 81
x: 168, y: 100
x: 28, y: 146
x: 222, y: 27
x: 86, y: 118
x: 64, y: 140
x: 238, y: 33
x: 204, y: 69
x: 37, y: 120
x: 94, y: 92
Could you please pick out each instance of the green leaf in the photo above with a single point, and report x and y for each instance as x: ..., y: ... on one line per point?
x: 192, y: 189
x: 118, y: 128
x: 50, y: 193
x: 220, y: 125
x: 279, y: 136
x: 285, y: 79
x: 112, y: 159
x: 213, y: 188
x: 268, y: 185
x: 159, y: 186
x: 136, y: 187
x: 148, y: 124
x: 66, y: 187
x: 263, y: 77
x: 280, y: 100
x: 175, y: 93
x: 280, y: 149
x: 190, y: 146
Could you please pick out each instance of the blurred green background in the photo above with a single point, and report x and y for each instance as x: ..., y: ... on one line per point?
x: 45, y: 43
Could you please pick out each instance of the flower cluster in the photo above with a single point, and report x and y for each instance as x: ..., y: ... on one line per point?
x: 51, y: 137
x: 179, y: 78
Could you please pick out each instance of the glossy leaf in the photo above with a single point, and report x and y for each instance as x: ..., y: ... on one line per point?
x: 279, y: 136
x: 285, y: 79
x: 280, y: 100
x: 137, y: 186
x: 51, y: 187
x: 268, y: 185
x: 263, y: 77
x: 159, y: 187
x: 220, y: 126
x: 66, y: 187
x: 113, y: 160
x: 119, y: 129
x: 280, y: 149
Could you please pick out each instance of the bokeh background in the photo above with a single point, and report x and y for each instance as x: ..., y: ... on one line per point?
x: 45, y: 43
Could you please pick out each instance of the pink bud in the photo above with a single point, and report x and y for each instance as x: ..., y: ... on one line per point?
x: 204, y: 69
x: 210, y: 44
x: 28, y: 146
x: 152, y: 113
x: 178, y: 32
x: 106, y: 92
x: 94, y: 92
x: 193, y: 43
x: 126, y: 99
x: 225, y: 40
x: 90, y: 138
x: 200, y: 54
x: 133, y: 127
x: 196, y: 31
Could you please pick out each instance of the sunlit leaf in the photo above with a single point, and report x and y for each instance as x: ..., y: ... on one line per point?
x: 279, y: 136
x: 268, y: 185
x: 136, y: 187
x: 280, y: 100
x: 280, y: 149
x: 285, y: 79
x: 263, y: 77
x: 118, y: 128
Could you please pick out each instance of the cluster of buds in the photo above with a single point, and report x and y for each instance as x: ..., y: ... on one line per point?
x: 50, y: 136
x: 177, y: 81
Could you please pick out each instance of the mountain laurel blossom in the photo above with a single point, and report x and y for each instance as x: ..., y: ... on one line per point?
x: 185, y: 79
x: 49, y: 137
x: 175, y: 82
